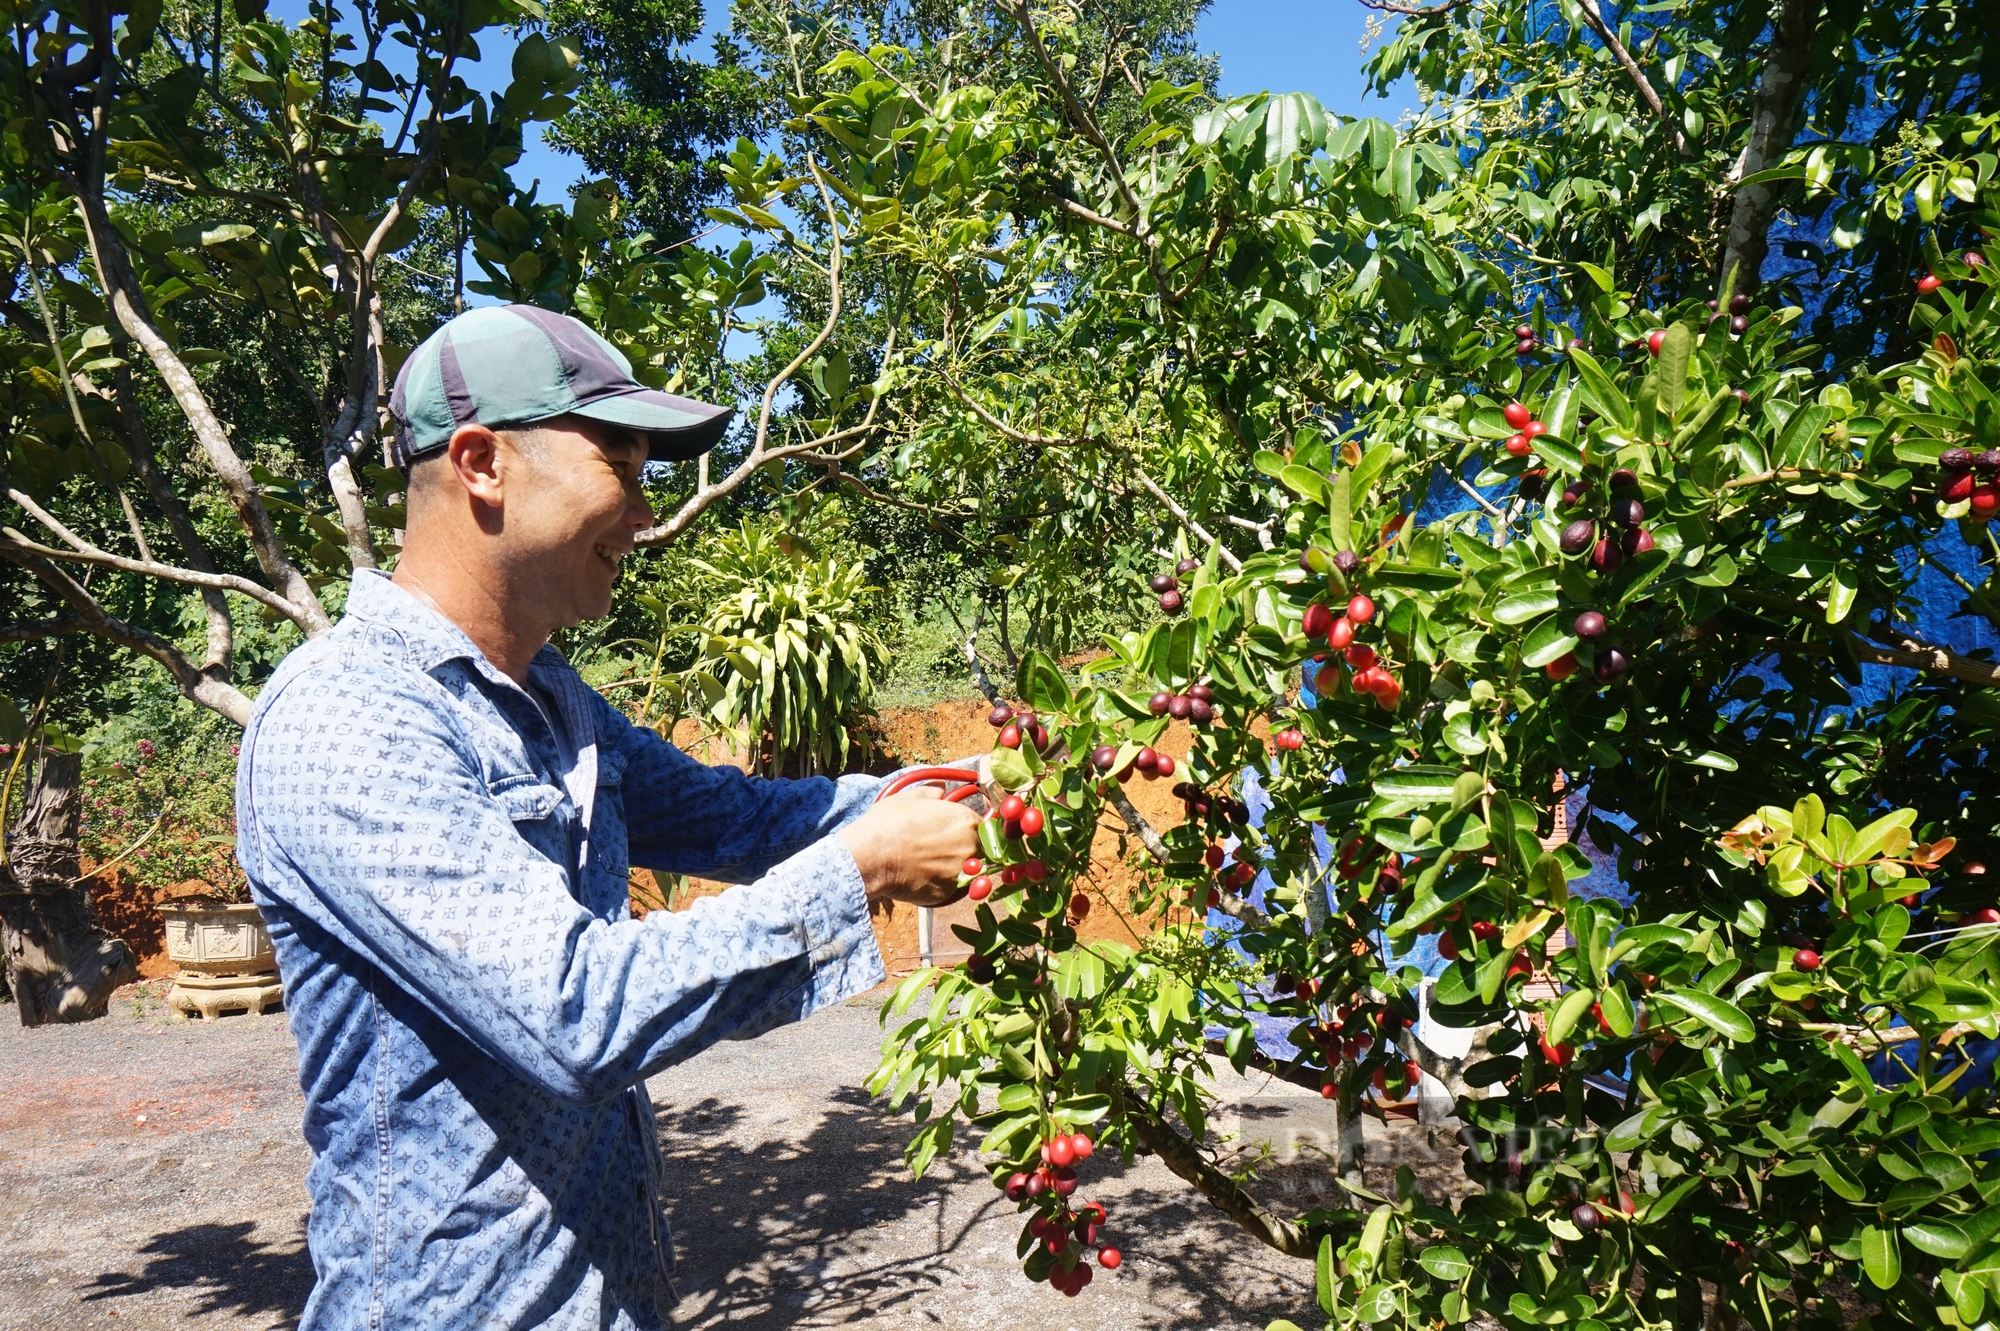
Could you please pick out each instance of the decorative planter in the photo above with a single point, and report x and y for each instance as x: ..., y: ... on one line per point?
x: 225, y: 956
x: 218, y: 940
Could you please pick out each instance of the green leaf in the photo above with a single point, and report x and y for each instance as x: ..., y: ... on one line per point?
x: 1306, y: 484
x: 1672, y: 370
x: 1568, y: 1012
x: 1323, y: 1276
x: 1546, y: 642
x: 1433, y: 785
x: 1041, y: 683
x: 1599, y: 393
x: 1376, y: 1304
x: 1018, y: 1096
x: 1529, y: 605
x: 1617, y: 1010
x: 1939, y: 1238
x: 1010, y: 769
x: 1718, y: 1014
x: 1444, y: 1262
x: 1881, y: 1256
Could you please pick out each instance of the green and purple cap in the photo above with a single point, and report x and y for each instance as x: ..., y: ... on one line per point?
x: 518, y: 364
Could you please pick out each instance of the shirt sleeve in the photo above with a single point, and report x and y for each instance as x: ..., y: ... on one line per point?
x: 369, y: 814
x: 716, y: 822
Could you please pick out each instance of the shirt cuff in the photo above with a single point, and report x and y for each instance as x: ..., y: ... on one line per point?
x: 830, y: 902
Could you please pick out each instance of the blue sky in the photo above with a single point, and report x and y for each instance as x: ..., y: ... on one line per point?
x: 1278, y: 45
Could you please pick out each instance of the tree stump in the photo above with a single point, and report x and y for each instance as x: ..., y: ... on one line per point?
x: 60, y: 965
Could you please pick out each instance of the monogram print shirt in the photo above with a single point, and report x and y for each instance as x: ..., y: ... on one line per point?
x: 444, y: 873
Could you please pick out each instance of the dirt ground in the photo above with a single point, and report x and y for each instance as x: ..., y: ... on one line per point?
x: 153, y: 1169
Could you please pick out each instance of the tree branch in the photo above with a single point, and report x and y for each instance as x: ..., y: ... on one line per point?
x: 1181, y: 515
x: 198, y: 686
x: 33, y: 630
x: 1609, y: 36
x: 1914, y: 655
x: 1222, y: 1191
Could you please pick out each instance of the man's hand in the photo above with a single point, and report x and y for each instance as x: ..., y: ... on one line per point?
x: 909, y: 847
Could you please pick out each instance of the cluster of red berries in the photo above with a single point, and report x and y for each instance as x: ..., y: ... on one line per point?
x: 1238, y: 876
x: 1148, y: 762
x: 1526, y: 429
x: 1169, y: 587
x: 1289, y: 740
x: 1738, y: 316
x: 1016, y: 727
x: 1196, y: 705
x: 1524, y: 340
x: 1370, y: 676
x: 1199, y: 804
x: 982, y: 879
x: 1959, y: 466
x: 1066, y: 1234
x: 1357, y: 855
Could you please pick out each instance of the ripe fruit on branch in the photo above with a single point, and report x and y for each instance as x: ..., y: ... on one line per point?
x: 1655, y: 340
x: 1340, y: 633
x: 1347, y: 562
x: 1628, y: 510
x: 1955, y: 459
x: 1171, y: 603
x: 1316, y: 621
x: 1518, y: 446
x: 1213, y: 857
x: 1159, y: 703
x: 1611, y: 663
x: 1163, y: 582
x: 1984, y: 915
x: 1103, y: 756
x: 1060, y: 1152
x: 1607, y: 556
x: 1035, y: 871
x: 1523, y: 330
x: 1624, y: 479
x: 1985, y: 501
x: 1577, y: 536
x: 1929, y: 282
x: 1558, y: 1054
x: 1148, y: 762
x: 1738, y: 324
x: 1000, y: 715
x: 1517, y: 415
x: 1164, y: 766
x: 1534, y: 485
x: 1361, y: 656
x: 1187, y: 566
x: 1562, y: 667
x: 1586, y: 1217
x: 1010, y: 736
x: 1201, y: 693
x: 1589, y: 625
x: 1739, y: 304
x: 1012, y: 807
x: 1201, y: 711
x: 1360, y: 610
x: 1805, y: 959
x: 1636, y: 541
x: 980, y: 888
x: 1956, y: 486
x: 1031, y: 822
x: 1535, y: 430
x: 1178, y: 706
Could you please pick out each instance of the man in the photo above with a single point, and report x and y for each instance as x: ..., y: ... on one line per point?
x: 436, y: 816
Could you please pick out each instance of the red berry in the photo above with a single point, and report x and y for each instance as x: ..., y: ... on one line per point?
x: 1361, y: 609
x: 1031, y: 823
x: 1328, y: 1090
x: 1010, y: 875
x: 1340, y: 633
x: 1805, y: 959
x: 1626, y: 1204
x: 1171, y: 603
x: 1517, y: 415
x: 1518, y: 446
x: 1163, y: 766
x: 1535, y: 430
x: 1562, y: 667
x: 1061, y: 1153
x: 1636, y: 541
x: 1655, y: 340
x: 980, y: 888
x: 1213, y: 857
x: 1083, y: 1147
x: 1485, y: 929
x: 1318, y: 619
x: 972, y: 867
x: 1010, y: 736
x: 1586, y: 1217
x: 1389, y: 695
x: 1079, y: 906
x: 1148, y: 762
x: 1985, y: 501
x: 1034, y: 871
x: 1108, y: 1258
x: 1012, y: 807
x: 1929, y: 282
x: 1448, y: 946
x: 1017, y: 1187
x: 1984, y: 915
x: 1956, y: 486
x: 1361, y: 656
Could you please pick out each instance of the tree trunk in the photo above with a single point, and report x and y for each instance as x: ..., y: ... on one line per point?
x: 1779, y: 91
x: 60, y: 965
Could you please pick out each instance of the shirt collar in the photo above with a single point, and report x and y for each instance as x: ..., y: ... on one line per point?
x: 427, y: 636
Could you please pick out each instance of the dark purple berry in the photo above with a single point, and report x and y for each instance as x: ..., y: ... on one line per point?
x: 1171, y: 603
x: 1346, y: 561
x: 1606, y: 557
x: 1628, y: 510
x: 1159, y: 702
x: 1576, y: 537
x: 1611, y: 663
x: 1590, y: 625
x: 1163, y: 583
x: 1956, y: 459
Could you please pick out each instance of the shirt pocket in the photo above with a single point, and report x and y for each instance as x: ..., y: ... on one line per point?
x: 537, y: 810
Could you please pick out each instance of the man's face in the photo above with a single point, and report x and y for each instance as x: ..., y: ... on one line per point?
x: 571, y: 513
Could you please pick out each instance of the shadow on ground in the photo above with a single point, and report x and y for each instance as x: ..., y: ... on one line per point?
x: 223, y: 1267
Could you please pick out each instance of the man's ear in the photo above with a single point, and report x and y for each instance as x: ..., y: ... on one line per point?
x: 474, y: 458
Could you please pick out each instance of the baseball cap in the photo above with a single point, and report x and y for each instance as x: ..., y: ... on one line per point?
x: 517, y: 364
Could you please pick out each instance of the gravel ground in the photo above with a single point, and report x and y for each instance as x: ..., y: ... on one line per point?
x: 154, y: 1177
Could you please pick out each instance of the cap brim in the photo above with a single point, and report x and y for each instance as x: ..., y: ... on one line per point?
x: 679, y: 428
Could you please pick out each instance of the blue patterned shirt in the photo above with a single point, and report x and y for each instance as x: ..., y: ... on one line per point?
x: 444, y: 874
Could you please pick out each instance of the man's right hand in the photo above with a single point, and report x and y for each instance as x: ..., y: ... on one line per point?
x: 910, y: 847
